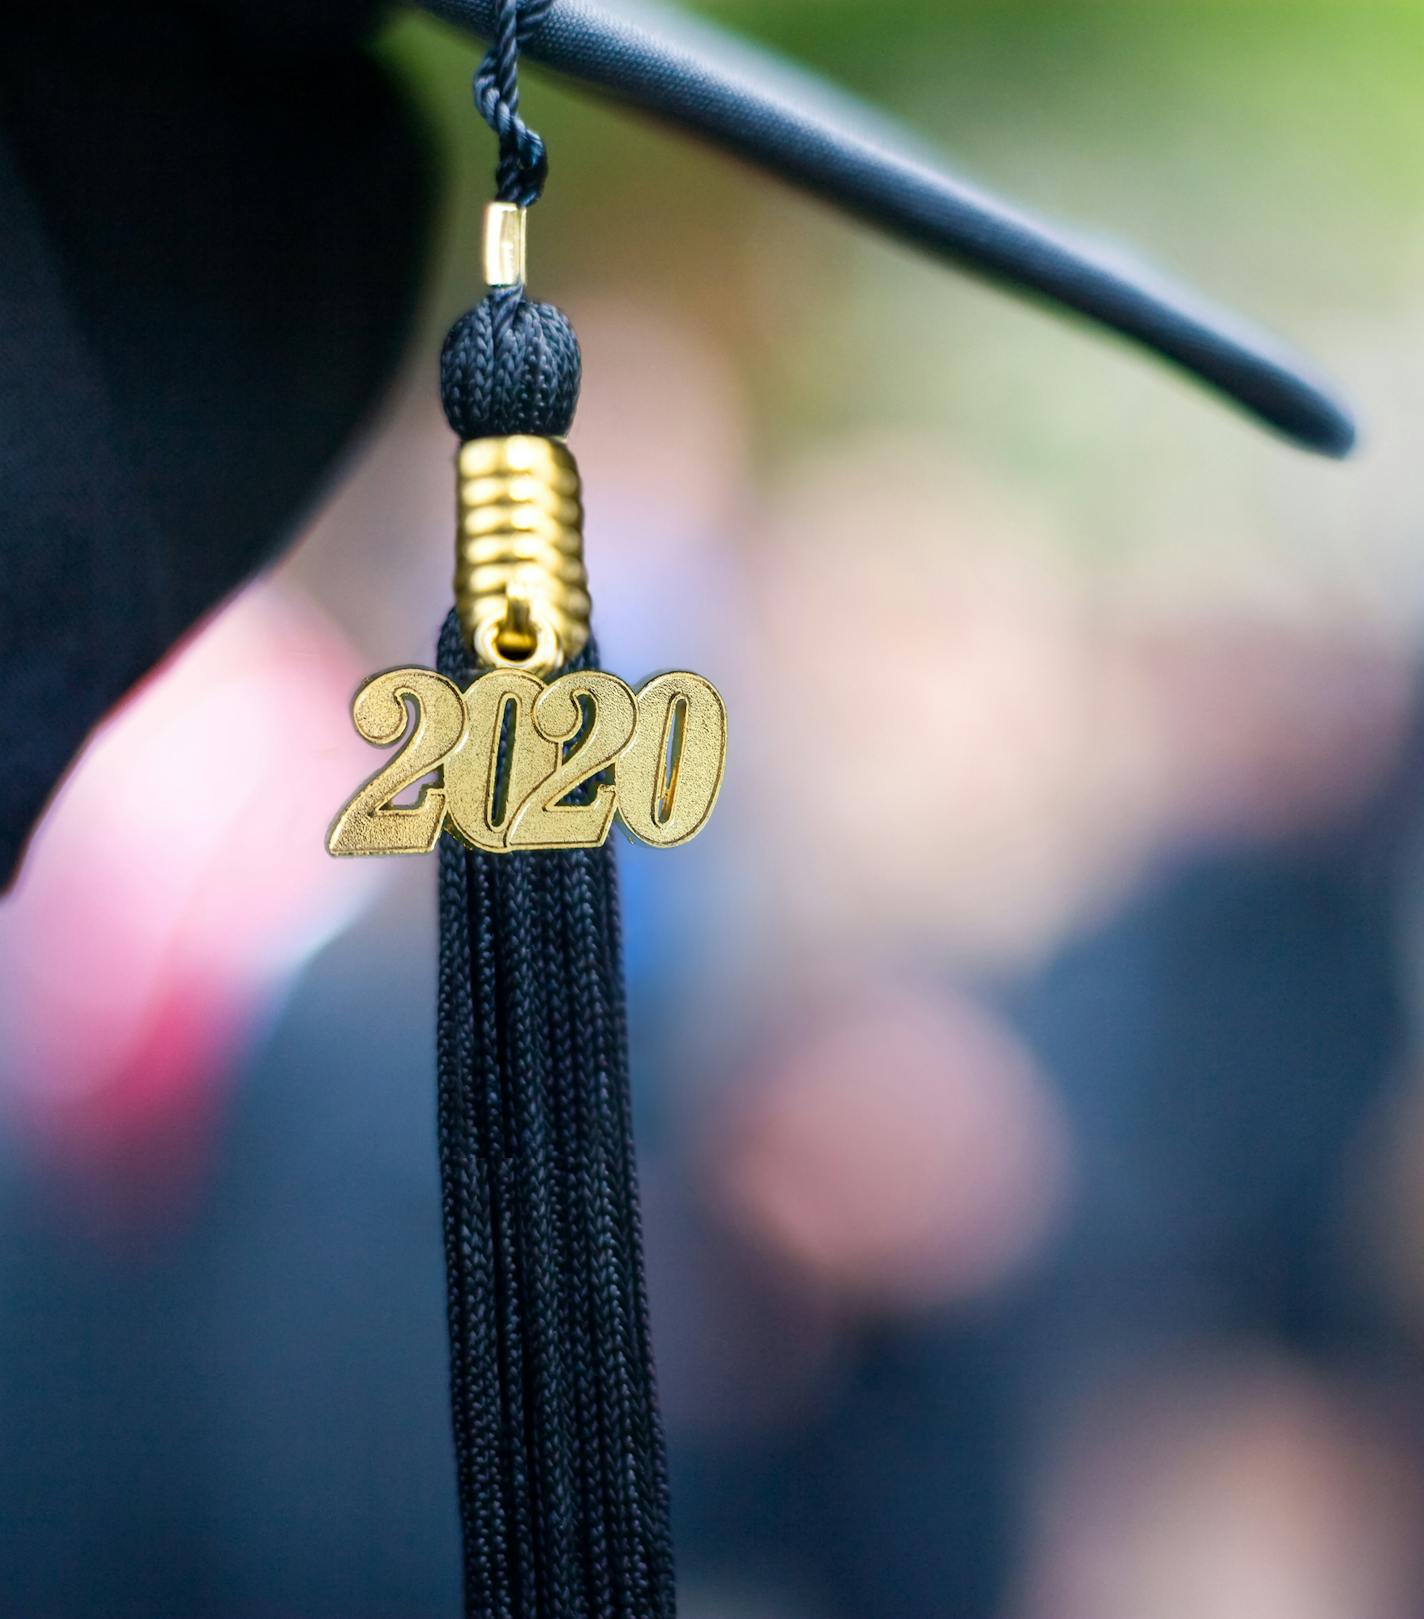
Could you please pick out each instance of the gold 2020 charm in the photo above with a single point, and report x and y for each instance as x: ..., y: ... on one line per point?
x: 517, y: 758
x: 520, y: 760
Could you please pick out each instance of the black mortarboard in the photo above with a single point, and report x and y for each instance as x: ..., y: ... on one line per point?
x: 215, y: 215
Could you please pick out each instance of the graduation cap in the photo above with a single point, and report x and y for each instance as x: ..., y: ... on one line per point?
x: 215, y: 215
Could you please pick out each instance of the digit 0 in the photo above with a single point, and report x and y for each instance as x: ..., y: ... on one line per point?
x: 669, y: 776
x: 480, y: 805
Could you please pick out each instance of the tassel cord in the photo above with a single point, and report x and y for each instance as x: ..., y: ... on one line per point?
x: 559, y: 1450
x: 559, y: 1455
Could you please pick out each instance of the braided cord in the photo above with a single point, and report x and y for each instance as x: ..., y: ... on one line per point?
x: 523, y: 162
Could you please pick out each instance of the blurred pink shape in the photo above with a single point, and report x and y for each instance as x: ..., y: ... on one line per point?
x: 739, y: 1351
x: 1274, y: 730
x: 984, y: 744
x: 964, y: 753
x: 903, y: 1151
x: 1234, y: 1488
x: 175, y: 884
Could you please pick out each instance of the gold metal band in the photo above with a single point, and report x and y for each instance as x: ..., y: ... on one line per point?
x: 504, y: 252
x: 521, y: 588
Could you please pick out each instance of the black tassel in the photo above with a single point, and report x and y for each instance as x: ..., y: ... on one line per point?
x: 558, y: 1442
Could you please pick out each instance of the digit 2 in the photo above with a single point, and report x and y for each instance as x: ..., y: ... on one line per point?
x: 369, y: 823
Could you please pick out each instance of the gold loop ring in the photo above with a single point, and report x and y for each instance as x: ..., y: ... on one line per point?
x: 542, y: 659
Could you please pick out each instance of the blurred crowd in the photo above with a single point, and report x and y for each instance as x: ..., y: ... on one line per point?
x: 1026, y: 1057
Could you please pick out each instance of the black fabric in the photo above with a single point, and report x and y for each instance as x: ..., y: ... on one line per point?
x: 213, y: 228
x: 785, y: 120
x: 559, y: 1449
x: 83, y: 608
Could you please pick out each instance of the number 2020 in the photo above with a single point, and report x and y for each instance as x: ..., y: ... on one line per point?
x: 512, y: 750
